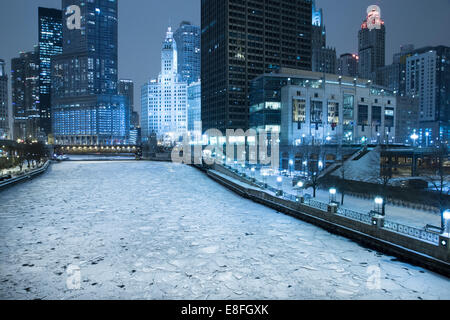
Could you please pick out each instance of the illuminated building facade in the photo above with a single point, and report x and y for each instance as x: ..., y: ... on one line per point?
x: 86, y: 109
x: 4, y: 119
x: 323, y: 57
x: 348, y: 65
x: 25, y: 95
x: 50, y: 44
x: 195, y: 108
x: 372, y: 44
x: 428, y: 78
x: 334, y: 110
x: 164, y: 100
x: 242, y: 39
x: 188, y: 40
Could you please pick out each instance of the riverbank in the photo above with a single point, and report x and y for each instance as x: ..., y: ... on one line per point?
x: 25, y: 176
x: 155, y: 230
x: 420, y: 247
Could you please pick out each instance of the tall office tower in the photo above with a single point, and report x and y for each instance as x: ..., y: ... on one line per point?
x: 50, y: 44
x: 25, y: 95
x: 86, y: 109
x: 428, y: 77
x: 393, y: 76
x: 4, y: 119
x: 372, y: 44
x: 164, y: 101
x: 188, y: 40
x: 195, y: 108
x: 323, y: 57
x: 242, y: 39
x: 126, y: 89
x: 348, y: 65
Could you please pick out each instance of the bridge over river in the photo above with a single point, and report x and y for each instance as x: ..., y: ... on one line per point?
x: 144, y: 230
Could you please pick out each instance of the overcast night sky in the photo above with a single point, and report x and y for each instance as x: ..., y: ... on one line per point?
x: 142, y: 26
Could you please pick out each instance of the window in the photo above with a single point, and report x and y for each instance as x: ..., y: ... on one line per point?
x: 316, y: 111
x: 363, y: 115
x: 298, y: 111
x: 348, y: 112
x: 333, y: 113
x: 376, y: 116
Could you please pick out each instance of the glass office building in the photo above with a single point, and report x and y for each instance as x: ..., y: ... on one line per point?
x: 241, y: 40
x: 50, y: 44
x: 25, y: 95
x: 4, y: 125
x: 187, y: 38
x: 85, y: 105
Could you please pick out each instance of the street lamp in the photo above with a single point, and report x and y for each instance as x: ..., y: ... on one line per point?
x: 243, y: 169
x: 427, y: 135
x: 291, y: 164
x: 280, y: 186
x: 253, y: 170
x: 446, y: 220
x: 264, y: 175
x: 414, y: 137
x: 333, y: 192
x: 379, y: 205
x: 300, y: 190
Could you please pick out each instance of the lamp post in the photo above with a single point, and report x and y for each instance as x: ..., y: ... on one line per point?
x: 414, y: 137
x: 379, y: 205
x: 446, y: 222
x: 243, y: 169
x: 427, y: 135
x: 333, y: 192
x: 253, y: 171
x: 300, y: 190
x: 280, y: 186
x: 291, y: 164
x: 264, y: 175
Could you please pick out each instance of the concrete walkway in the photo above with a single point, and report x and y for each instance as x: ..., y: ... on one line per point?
x: 402, y: 215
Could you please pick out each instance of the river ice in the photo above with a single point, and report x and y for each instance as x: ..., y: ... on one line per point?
x: 143, y: 230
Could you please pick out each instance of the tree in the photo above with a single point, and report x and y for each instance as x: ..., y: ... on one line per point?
x: 342, y: 169
x: 440, y: 181
x: 385, y: 176
x: 313, y: 169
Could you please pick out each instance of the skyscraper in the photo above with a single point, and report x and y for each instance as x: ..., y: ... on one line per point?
x: 323, y: 57
x: 50, y: 44
x: 242, y: 39
x: 86, y: 108
x: 372, y: 44
x: 25, y: 95
x: 195, y: 108
x: 4, y: 124
x: 348, y: 65
x: 126, y: 89
x: 164, y: 101
x: 428, y: 78
x: 188, y: 40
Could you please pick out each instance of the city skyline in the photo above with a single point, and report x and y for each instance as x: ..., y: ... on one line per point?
x: 135, y: 57
x: 275, y: 150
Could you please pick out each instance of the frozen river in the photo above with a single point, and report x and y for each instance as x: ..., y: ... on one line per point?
x: 142, y: 230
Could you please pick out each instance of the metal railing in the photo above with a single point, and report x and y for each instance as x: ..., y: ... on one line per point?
x: 354, y: 215
x: 421, y: 234
x: 366, y: 218
x: 25, y: 176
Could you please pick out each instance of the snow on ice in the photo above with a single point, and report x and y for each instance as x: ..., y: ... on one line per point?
x: 143, y: 230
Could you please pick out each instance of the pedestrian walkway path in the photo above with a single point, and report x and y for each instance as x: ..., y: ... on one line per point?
x: 402, y: 215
